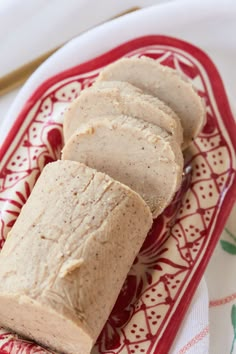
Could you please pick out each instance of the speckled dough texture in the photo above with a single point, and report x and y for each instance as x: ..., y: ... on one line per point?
x: 68, y: 254
x: 136, y: 153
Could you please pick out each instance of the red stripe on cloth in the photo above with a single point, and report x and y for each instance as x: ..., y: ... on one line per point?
x: 223, y: 301
x: 194, y: 340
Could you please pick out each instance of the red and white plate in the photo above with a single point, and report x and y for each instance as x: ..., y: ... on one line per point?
x: 165, y: 274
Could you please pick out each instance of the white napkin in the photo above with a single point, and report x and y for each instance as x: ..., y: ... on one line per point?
x: 29, y: 29
x: 193, y: 335
x: 42, y: 25
x: 208, y: 24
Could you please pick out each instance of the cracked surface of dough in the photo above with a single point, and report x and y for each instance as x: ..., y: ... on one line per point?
x: 68, y: 254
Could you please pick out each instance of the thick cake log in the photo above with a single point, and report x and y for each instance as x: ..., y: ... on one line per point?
x: 68, y: 254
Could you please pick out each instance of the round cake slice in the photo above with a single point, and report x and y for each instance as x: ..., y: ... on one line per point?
x: 166, y: 84
x: 134, y: 152
x: 120, y: 98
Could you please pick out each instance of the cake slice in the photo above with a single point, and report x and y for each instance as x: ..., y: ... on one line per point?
x: 136, y: 153
x: 166, y: 84
x: 120, y: 98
